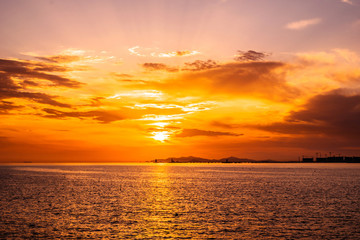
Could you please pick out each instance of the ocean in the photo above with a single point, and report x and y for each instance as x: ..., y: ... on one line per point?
x: 180, y: 201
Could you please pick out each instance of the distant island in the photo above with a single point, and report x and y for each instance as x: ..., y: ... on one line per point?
x: 192, y: 159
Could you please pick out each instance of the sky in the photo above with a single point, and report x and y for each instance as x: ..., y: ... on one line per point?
x: 122, y: 81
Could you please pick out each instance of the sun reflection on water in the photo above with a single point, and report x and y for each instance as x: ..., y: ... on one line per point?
x: 163, y: 208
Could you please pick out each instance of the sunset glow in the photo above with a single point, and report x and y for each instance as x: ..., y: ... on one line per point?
x: 112, y: 81
x: 161, y: 136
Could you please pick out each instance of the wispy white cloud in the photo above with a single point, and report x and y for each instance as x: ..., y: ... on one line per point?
x: 133, y: 51
x: 154, y: 52
x: 175, y: 54
x: 302, y: 24
x: 138, y: 94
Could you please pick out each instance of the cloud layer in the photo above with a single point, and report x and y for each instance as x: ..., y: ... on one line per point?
x: 333, y: 114
x: 302, y: 24
x: 198, y: 132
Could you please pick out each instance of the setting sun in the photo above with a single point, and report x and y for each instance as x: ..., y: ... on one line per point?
x: 161, y: 136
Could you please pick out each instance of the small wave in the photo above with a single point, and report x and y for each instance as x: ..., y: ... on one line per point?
x: 51, y: 170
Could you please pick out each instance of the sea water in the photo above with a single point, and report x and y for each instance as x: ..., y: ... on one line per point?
x: 180, y: 201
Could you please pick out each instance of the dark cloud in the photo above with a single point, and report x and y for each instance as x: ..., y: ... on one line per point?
x: 8, y: 89
x: 37, y: 97
x: 224, y: 124
x: 200, y: 65
x: 104, y: 116
x: 198, y: 132
x: 250, y: 56
x: 6, y: 83
x: 31, y: 70
x: 26, y: 73
x: 29, y: 83
x: 331, y: 114
x: 50, y: 68
x: 60, y: 58
x: 6, y: 106
x: 99, y: 115
x: 159, y: 67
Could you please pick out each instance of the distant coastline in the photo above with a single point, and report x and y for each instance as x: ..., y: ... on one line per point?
x: 332, y: 159
x: 192, y: 159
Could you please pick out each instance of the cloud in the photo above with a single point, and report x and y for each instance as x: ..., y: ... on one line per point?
x: 127, y: 78
x: 255, y: 79
x: 37, y: 97
x: 60, y: 58
x: 149, y: 52
x: 185, y: 53
x: 159, y: 67
x: 17, y: 75
x: 76, y: 57
x: 5, y: 106
x: 99, y: 115
x: 34, y: 70
x: 8, y: 89
x: 29, y: 83
x: 121, y: 75
x: 198, y: 132
x: 298, y: 25
x: 336, y: 113
x: 250, y: 56
x: 107, y: 116
x: 199, y: 65
x: 134, y: 51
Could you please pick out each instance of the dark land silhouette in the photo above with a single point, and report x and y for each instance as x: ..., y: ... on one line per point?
x: 332, y: 159
x: 192, y: 159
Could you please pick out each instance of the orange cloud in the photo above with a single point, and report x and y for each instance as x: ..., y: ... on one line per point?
x: 255, y: 79
x: 203, y: 104
x: 99, y: 115
x: 5, y: 106
x: 198, y: 132
x: 108, y: 116
x: 61, y: 58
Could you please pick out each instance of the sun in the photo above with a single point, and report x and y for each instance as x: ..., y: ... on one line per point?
x: 161, y: 136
